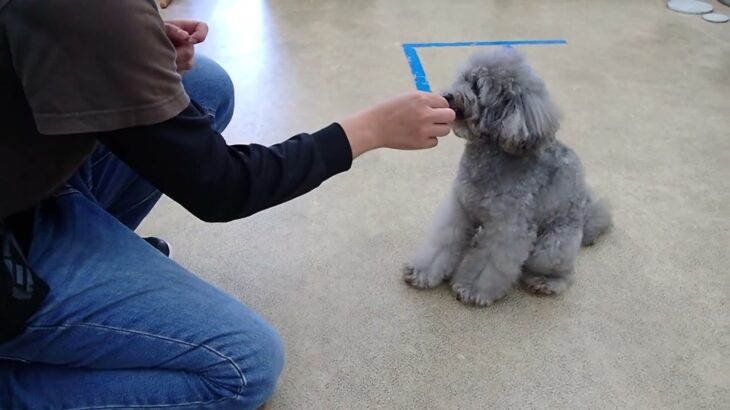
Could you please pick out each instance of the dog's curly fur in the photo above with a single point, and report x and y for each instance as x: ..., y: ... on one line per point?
x: 519, y: 209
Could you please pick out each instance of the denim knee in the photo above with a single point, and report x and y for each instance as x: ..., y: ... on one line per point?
x: 258, y: 352
x: 254, y: 359
x: 209, y: 85
x: 265, y: 367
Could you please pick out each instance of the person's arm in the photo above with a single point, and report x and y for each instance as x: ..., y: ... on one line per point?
x: 111, y: 72
x: 190, y: 162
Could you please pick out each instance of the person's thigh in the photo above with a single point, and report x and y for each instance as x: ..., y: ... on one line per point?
x: 123, y: 326
x: 115, y: 187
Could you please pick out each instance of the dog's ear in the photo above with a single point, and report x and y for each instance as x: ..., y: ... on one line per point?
x: 531, y: 119
x: 541, y: 115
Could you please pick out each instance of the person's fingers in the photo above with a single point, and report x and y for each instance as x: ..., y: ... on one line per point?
x: 200, y: 33
x: 431, y: 142
x: 176, y: 34
x: 187, y: 25
x: 443, y: 115
x: 435, y: 100
x: 185, y: 58
x: 185, y: 53
x: 185, y: 66
x: 197, y: 30
x: 439, y: 130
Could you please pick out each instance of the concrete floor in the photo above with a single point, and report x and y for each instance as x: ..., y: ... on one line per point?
x: 645, y: 93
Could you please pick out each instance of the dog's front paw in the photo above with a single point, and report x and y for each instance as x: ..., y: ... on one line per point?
x: 470, y: 295
x: 421, y: 278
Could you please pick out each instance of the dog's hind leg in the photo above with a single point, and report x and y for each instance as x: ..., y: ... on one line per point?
x: 549, y: 269
x: 442, y: 250
x: 597, y: 219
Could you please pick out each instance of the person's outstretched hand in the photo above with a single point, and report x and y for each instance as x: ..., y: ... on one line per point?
x: 413, y: 120
x: 184, y: 35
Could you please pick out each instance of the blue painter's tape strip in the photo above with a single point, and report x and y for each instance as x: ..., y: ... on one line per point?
x: 486, y: 43
x: 419, y: 74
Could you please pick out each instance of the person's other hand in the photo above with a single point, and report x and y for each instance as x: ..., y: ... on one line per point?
x: 413, y: 120
x: 184, y: 35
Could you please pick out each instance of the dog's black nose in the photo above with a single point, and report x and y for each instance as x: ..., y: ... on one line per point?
x: 450, y: 99
x: 452, y: 104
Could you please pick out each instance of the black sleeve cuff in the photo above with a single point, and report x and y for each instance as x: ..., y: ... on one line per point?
x: 335, y: 148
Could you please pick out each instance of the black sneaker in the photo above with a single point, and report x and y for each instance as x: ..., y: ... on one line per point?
x: 160, y: 245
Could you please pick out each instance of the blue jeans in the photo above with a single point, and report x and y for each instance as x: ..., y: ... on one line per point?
x: 124, y: 326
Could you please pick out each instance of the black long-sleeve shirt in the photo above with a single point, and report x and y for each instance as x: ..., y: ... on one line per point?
x: 186, y: 159
x: 192, y: 164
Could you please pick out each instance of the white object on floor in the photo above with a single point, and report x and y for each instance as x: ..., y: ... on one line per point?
x: 716, y: 18
x: 690, y: 6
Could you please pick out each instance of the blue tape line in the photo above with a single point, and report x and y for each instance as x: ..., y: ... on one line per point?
x: 419, y: 74
x: 487, y: 43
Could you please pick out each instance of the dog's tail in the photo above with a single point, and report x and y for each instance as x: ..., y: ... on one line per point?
x: 597, y: 219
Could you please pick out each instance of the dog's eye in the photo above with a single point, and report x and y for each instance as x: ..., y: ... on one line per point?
x: 475, y: 88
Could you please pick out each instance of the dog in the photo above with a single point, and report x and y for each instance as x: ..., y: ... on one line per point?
x: 519, y: 209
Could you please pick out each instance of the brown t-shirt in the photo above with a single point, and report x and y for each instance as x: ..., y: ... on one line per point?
x: 68, y: 69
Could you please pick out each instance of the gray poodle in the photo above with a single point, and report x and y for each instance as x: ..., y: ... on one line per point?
x: 519, y: 209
